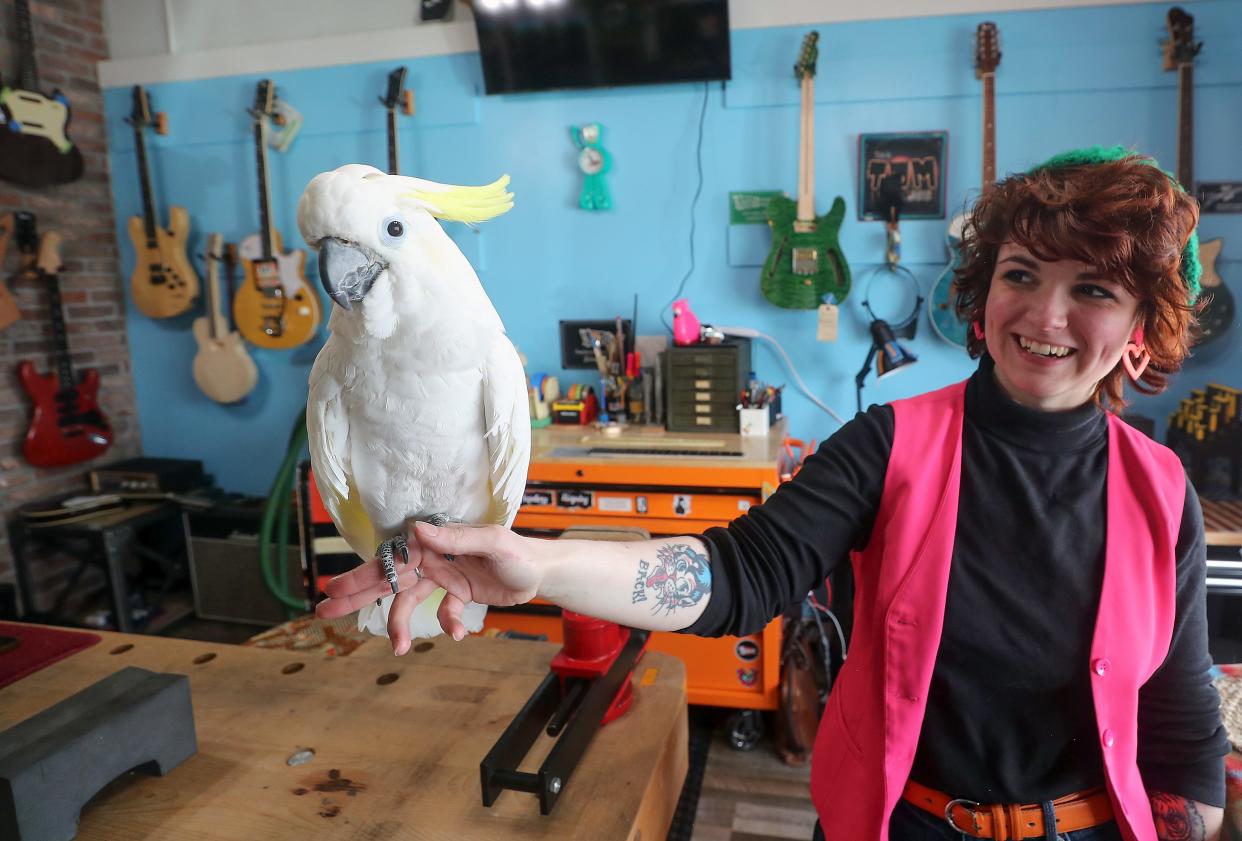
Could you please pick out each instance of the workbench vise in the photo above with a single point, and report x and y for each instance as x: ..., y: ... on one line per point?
x: 588, y: 685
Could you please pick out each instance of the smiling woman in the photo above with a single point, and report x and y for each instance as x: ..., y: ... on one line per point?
x: 1064, y: 267
x: 1028, y: 652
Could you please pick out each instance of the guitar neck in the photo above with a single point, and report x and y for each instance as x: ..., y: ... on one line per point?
x: 28, y: 71
x: 215, y: 318
x: 989, y: 129
x: 265, y: 215
x: 64, y: 368
x: 144, y: 178
x: 806, y: 152
x: 1186, y: 126
x: 394, y: 155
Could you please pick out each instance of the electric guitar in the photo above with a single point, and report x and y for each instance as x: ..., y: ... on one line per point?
x: 942, y: 300
x: 9, y: 313
x: 35, y: 149
x: 67, y: 426
x: 396, y: 94
x: 1180, y: 50
x: 223, y: 369
x: 275, y: 307
x: 805, y: 263
x: 163, y: 283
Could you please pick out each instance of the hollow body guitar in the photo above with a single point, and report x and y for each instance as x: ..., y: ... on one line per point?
x: 223, y: 369
x: 275, y: 307
x: 67, y: 425
x: 942, y: 300
x: 163, y: 283
x: 805, y: 264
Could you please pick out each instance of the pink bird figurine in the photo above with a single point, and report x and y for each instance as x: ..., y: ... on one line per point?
x: 685, y: 323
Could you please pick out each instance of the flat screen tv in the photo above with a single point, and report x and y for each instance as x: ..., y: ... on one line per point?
x: 534, y: 45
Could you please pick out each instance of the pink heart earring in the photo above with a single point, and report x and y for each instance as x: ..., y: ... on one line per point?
x: 978, y: 328
x: 1135, y: 358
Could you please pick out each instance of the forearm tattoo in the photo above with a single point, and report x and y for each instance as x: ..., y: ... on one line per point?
x: 1177, y: 819
x: 680, y: 576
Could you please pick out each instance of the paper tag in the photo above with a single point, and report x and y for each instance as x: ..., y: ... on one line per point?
x: 827, y: 329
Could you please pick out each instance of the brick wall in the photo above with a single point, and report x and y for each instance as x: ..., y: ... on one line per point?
x: 69, y: 40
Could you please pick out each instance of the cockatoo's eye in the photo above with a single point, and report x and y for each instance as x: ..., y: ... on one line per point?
x: 392, y: 231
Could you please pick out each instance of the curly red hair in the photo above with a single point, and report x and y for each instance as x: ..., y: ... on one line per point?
x: 1126, y: 218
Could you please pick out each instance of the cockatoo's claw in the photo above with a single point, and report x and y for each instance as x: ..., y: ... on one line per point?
x: 387, y: 554
x: 438, y: 520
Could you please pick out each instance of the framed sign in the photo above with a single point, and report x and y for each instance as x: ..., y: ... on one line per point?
x: 915, y: 161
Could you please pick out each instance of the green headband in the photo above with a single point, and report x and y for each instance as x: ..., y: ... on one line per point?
x: 1191, y: 270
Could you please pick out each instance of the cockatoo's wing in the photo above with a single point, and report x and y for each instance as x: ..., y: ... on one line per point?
x: 506, y: 414
x: 327, y: 430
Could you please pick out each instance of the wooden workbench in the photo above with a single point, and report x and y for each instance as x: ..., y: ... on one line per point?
x: 397, y: 745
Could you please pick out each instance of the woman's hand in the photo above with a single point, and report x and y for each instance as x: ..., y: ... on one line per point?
x: 489, y: 565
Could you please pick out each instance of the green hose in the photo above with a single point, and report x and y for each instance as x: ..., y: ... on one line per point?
x: 276, y: 512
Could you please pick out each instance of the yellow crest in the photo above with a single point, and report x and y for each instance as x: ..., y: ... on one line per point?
x: 464, y: 204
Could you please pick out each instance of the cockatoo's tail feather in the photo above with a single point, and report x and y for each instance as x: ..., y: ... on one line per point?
x: 463, y: 204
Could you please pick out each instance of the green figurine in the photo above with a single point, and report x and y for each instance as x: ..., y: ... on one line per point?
x: 594, y: 162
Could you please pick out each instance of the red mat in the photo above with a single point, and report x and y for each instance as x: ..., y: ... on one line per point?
x: 37, y: 647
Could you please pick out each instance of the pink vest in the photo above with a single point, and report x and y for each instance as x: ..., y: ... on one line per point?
x: 870, y: 728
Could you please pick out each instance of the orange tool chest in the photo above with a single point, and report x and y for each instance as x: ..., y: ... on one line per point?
x: 669, y: 483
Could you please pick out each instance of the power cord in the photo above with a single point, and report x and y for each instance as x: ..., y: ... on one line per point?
x: 752, y: 333
x: 693, y: 204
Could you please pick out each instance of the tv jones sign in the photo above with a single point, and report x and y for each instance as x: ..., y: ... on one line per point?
x: 914, y: 161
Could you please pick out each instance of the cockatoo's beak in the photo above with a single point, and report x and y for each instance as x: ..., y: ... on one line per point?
x: 346, y: 271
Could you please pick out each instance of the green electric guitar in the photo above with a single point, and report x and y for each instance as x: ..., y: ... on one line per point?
x: 805, y: 264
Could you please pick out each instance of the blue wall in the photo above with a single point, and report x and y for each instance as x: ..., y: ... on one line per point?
x: 1067, y: 78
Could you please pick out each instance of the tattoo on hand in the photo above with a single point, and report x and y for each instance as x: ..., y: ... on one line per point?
x: 1177, y: 819
x: 679, y: 577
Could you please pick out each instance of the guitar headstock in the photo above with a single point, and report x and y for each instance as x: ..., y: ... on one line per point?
x: 1181, y: 47
x: 215, y: 250
x: 140, y: 111
x: 49, y: 262
x: 26, y: 233
x: 264, y: 100
x: 807, y: 56
x: 987, y: 49
x: 396, y: 82
x: 6, y: 231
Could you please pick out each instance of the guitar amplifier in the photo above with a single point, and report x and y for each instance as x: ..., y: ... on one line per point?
x: 225, y: 570
x: 148, y: 475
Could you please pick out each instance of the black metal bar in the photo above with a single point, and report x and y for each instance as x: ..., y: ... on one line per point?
x: 568, y: 706
x: 510, y: 749
x: 566, y: 753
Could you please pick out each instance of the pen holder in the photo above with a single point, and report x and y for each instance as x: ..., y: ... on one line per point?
x: 753, y: 421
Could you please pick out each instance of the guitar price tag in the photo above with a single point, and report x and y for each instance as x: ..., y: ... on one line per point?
x: 827, y: 329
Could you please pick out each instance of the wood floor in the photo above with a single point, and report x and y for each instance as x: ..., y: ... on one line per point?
x: 752, y: 796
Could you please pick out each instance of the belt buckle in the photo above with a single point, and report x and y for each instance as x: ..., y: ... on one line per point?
x: 970, y: 806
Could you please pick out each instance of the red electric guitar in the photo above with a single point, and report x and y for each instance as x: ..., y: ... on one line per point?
x: 67, y: 426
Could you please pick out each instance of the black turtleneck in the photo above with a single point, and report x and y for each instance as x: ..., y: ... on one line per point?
x: 1009, y: 716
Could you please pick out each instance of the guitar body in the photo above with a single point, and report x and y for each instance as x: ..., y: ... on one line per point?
x: 68, y: 426
x: 35, y: 149
x: 275, y: 307
x: 164, y: 283
x: 804, y: 266
x: 941, y: 309
x: 223, y: 369
x: 1218, y: 315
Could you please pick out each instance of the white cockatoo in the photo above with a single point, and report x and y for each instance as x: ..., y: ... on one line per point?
x: 418, y: 403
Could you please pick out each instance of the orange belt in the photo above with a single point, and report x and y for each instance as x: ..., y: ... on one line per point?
x: 1004, y: 822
